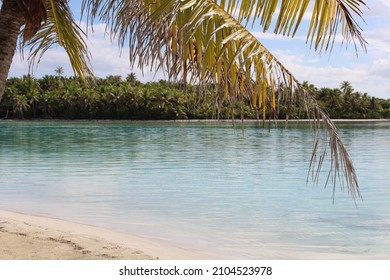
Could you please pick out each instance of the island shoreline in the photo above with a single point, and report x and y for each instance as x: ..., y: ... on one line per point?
x: 194, y: 120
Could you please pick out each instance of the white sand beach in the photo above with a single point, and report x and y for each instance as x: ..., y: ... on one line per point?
x: 27, y: 237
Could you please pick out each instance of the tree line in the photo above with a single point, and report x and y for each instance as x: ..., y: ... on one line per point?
x: 112, y: 97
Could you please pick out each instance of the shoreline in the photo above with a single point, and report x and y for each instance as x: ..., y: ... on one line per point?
x: 33, y: 237
x: 194, y: 120
x: 29, y: 237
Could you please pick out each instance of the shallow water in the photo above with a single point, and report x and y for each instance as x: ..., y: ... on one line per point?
x: 206, y: 186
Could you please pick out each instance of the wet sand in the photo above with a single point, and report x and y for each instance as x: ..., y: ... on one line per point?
x: 27, y: 237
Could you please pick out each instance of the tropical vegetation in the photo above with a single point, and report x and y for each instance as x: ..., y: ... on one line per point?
x: 58, y: 97
x: 196, y: 42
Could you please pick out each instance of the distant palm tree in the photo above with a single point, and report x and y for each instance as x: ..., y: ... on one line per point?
x: 132, y: 79
x: 59, y: 71
x: 346, y: 87
x: 197, y: 41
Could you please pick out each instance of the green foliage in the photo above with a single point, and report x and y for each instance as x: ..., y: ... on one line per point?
x: 346, y: 103
x: 116, y: 98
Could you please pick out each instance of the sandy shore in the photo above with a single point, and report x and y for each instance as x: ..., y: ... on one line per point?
x: 26, y: 237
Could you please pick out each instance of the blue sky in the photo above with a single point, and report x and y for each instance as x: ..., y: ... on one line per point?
x: 368, y: 72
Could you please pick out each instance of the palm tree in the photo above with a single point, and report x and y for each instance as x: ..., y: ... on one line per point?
x: 59, y: 71
x: 38, y: 25
x: 201, y: 42
x: 346, y: 87
x: 20, y: 105
x: 132, y: 79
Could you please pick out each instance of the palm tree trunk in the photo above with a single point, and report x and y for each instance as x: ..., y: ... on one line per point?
x: 11, y: 20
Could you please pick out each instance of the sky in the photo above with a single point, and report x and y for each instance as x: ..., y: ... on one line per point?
x: 367, y: 71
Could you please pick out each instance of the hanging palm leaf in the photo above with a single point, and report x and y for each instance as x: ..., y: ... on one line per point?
x: 200, y: 41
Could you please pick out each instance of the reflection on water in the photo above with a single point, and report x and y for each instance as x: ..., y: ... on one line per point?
x: 201, y: 185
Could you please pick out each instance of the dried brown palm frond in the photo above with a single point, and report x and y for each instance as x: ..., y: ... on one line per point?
x: 56, y: 27
x: 341, y: 168
x: 34, y: 13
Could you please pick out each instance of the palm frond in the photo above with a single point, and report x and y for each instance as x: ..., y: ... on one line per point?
x: 60, y: 29
x: 327, y: 17
x: 199, y: 41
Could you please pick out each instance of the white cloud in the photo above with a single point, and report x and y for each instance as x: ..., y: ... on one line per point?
x: 381, y: 68
x: 51, y: 59
x: 378, y: 41
x: 272, y: 36
x: 384, y: 3
x: 106, y: 60
x: 371, y: 78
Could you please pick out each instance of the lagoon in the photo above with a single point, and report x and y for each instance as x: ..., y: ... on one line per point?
x: 202, y: 185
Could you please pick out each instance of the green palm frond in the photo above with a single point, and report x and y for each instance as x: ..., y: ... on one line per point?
x: 327, y: 17
x: 60, y: 29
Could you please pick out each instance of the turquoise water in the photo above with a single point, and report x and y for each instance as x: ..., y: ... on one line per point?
x: 205, y: 186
